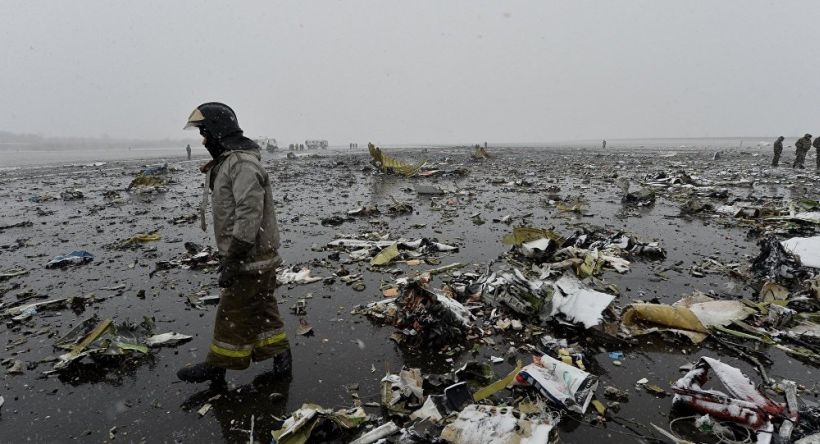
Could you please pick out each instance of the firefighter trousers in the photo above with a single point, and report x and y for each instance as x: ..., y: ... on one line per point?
x: 247, y: 326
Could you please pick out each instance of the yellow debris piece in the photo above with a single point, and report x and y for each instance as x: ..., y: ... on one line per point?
x: 499, y: 385
x: 385, y: 256
x: 140, y: 237
x: 646, y: 318
x: 387, y: 163
x: 521, y: 235
x: 146, y: 181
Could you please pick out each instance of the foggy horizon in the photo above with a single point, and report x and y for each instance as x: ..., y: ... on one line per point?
x: 421, y: 73
x: 70, y: 140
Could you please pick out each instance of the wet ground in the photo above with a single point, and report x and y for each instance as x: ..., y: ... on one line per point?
x: 142, y: 400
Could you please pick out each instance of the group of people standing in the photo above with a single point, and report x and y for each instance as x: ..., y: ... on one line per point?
x: 802, y: 147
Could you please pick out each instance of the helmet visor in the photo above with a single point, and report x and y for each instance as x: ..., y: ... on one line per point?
x: 195, y: 119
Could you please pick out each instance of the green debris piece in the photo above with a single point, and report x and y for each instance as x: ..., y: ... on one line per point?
x: 130, y: 346
x: 738, y: 334
x: 146, y: 181
x: 386, y: 255
x: 655, y: 390
x: 96, y: 338
x: 590, y: 266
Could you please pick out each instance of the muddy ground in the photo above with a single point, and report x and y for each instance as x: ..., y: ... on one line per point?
x: 141, y: 400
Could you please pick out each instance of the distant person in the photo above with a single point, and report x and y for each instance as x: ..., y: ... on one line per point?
x: 247, y: 325
x: 603, y: 144
x: 188, y: 150
x: 802, y: 147
x: 778, y: 150
x: 816, y: 146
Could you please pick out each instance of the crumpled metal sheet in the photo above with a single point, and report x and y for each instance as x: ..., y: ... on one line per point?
x: 648, y: 318
x: 387, y: 163
x: 743, y: 403
x: 425, y: 316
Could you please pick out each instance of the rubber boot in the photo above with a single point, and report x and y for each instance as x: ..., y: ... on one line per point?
x: 201, y: 372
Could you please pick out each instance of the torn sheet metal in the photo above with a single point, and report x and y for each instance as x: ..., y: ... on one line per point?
x: 386, y: 163
x: 166, y: 339
x: 521, y: 235
x: 499, y: 385
x: 297, y: 428
x: 806, y: 248
x: 591, y: 265
x: 480, y: 153
x: 771, y: 291
x: 483, y: 424
x: 564, y: 385
x: 774, y: 263
x: 524, y: 296
x: 538, y: 248
x: 431, y: 410
x: 577, y: 303
x: 639, y: 319
x: 711, y: 312
x: 425, y: 316
x: 147, y: 183
x: 386, y: 255
x: 742, y: 402
x: 94, y: 337
x: 691, y: 316
x: 402, y: 393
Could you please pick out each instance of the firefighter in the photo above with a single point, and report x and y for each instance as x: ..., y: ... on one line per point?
x: 247, y: 326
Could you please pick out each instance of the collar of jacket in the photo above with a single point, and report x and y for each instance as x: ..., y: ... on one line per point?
x: 213, y: 163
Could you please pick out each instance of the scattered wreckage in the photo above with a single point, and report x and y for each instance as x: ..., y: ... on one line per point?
x: 104, y: 339
x: 546, y: 285
x: 543, y: 289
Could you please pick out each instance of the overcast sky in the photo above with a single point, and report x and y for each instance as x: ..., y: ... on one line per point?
x: 413, y: 72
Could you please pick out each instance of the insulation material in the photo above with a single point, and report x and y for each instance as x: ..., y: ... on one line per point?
x: 482, y: 424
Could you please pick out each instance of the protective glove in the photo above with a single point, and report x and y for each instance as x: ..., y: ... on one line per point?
x: 228, y: 272
x: 232, y: 262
